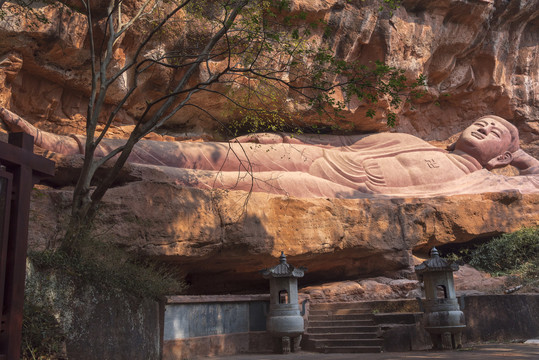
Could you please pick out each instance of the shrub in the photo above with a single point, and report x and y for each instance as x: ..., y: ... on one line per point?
x: 514, y: 253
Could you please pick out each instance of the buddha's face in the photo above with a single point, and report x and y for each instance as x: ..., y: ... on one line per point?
x: 485, y: 139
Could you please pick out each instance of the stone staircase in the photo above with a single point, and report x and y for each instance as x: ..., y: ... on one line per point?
x: 341, y: 328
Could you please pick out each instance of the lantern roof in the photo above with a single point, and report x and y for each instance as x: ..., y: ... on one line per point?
x: 435, y: 263
x: 283, y: 269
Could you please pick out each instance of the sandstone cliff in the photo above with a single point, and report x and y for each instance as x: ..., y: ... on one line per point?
x: 221, y: 240
x: 480, y: 57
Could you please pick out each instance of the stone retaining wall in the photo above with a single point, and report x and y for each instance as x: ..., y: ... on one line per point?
x: 226, y: 325
x: 501, y: 317
x: 97, y: 323
x: 215, y: 325
x: 488, y: 318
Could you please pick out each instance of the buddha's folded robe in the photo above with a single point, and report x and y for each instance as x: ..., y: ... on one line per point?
x: 391, y: 164
x: 326, y: 166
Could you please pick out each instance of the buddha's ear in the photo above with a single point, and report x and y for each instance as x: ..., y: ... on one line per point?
x: 500, y: 161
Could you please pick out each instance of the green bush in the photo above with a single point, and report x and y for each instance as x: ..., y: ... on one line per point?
x: 514, y: 253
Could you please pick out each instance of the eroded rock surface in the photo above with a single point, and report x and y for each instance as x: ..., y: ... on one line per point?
x: 221, y: 239
x: 468, y: 281
x: 480, y: 57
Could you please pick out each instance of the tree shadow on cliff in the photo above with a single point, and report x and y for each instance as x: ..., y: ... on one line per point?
x: 220, y: 241
x: 376, y: 235
x: 208, y: 235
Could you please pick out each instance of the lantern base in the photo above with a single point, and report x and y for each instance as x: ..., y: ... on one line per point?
x: 446, y: 340
x: 286, y: 344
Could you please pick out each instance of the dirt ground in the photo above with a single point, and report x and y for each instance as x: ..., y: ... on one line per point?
x: 469, y: 352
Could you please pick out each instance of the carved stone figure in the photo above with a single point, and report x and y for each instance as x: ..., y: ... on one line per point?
x: 329, y: 166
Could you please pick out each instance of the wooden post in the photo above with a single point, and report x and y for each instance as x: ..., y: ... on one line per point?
x: 6, y: 179
x: 26, y: 168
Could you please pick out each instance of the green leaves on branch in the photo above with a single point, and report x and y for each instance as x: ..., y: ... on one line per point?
x: 277, y: 48
x: 359, y: 82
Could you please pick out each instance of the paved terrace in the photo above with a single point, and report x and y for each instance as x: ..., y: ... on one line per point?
x: 475, y: 352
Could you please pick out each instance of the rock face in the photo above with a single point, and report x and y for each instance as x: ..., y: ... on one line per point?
x: 221, y: 239
x: 89, y: 318
x: 480, y: 57
x: 468, y: 281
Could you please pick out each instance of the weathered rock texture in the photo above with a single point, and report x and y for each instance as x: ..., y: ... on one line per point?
x: 221, y: 239
x: 468, y: 281
x: 480, y: 57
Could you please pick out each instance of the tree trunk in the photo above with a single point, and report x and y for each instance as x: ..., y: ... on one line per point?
x: 79, y: 228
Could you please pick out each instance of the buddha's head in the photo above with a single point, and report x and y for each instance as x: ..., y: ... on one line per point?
x: 491, y: 140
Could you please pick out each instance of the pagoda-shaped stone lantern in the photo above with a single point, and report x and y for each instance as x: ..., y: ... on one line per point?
x: 442, y: 319
x: 284, y: 320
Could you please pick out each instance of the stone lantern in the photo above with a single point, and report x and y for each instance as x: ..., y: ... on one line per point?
x: 443, y: 319
x: 284, y: 320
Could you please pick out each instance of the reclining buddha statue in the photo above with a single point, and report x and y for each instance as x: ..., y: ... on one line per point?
x: 332, y: 166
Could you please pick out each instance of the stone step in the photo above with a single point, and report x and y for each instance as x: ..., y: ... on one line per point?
x: 325, y: 343
x: 327, y: 323
x: 339, y: 306
x: 396, y: 318
x: 340, y: 317
x: 364, y: 309
x: 352, y: 349
x: 341, y: 329
x: 351, y: 312
x: 351, y: 335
